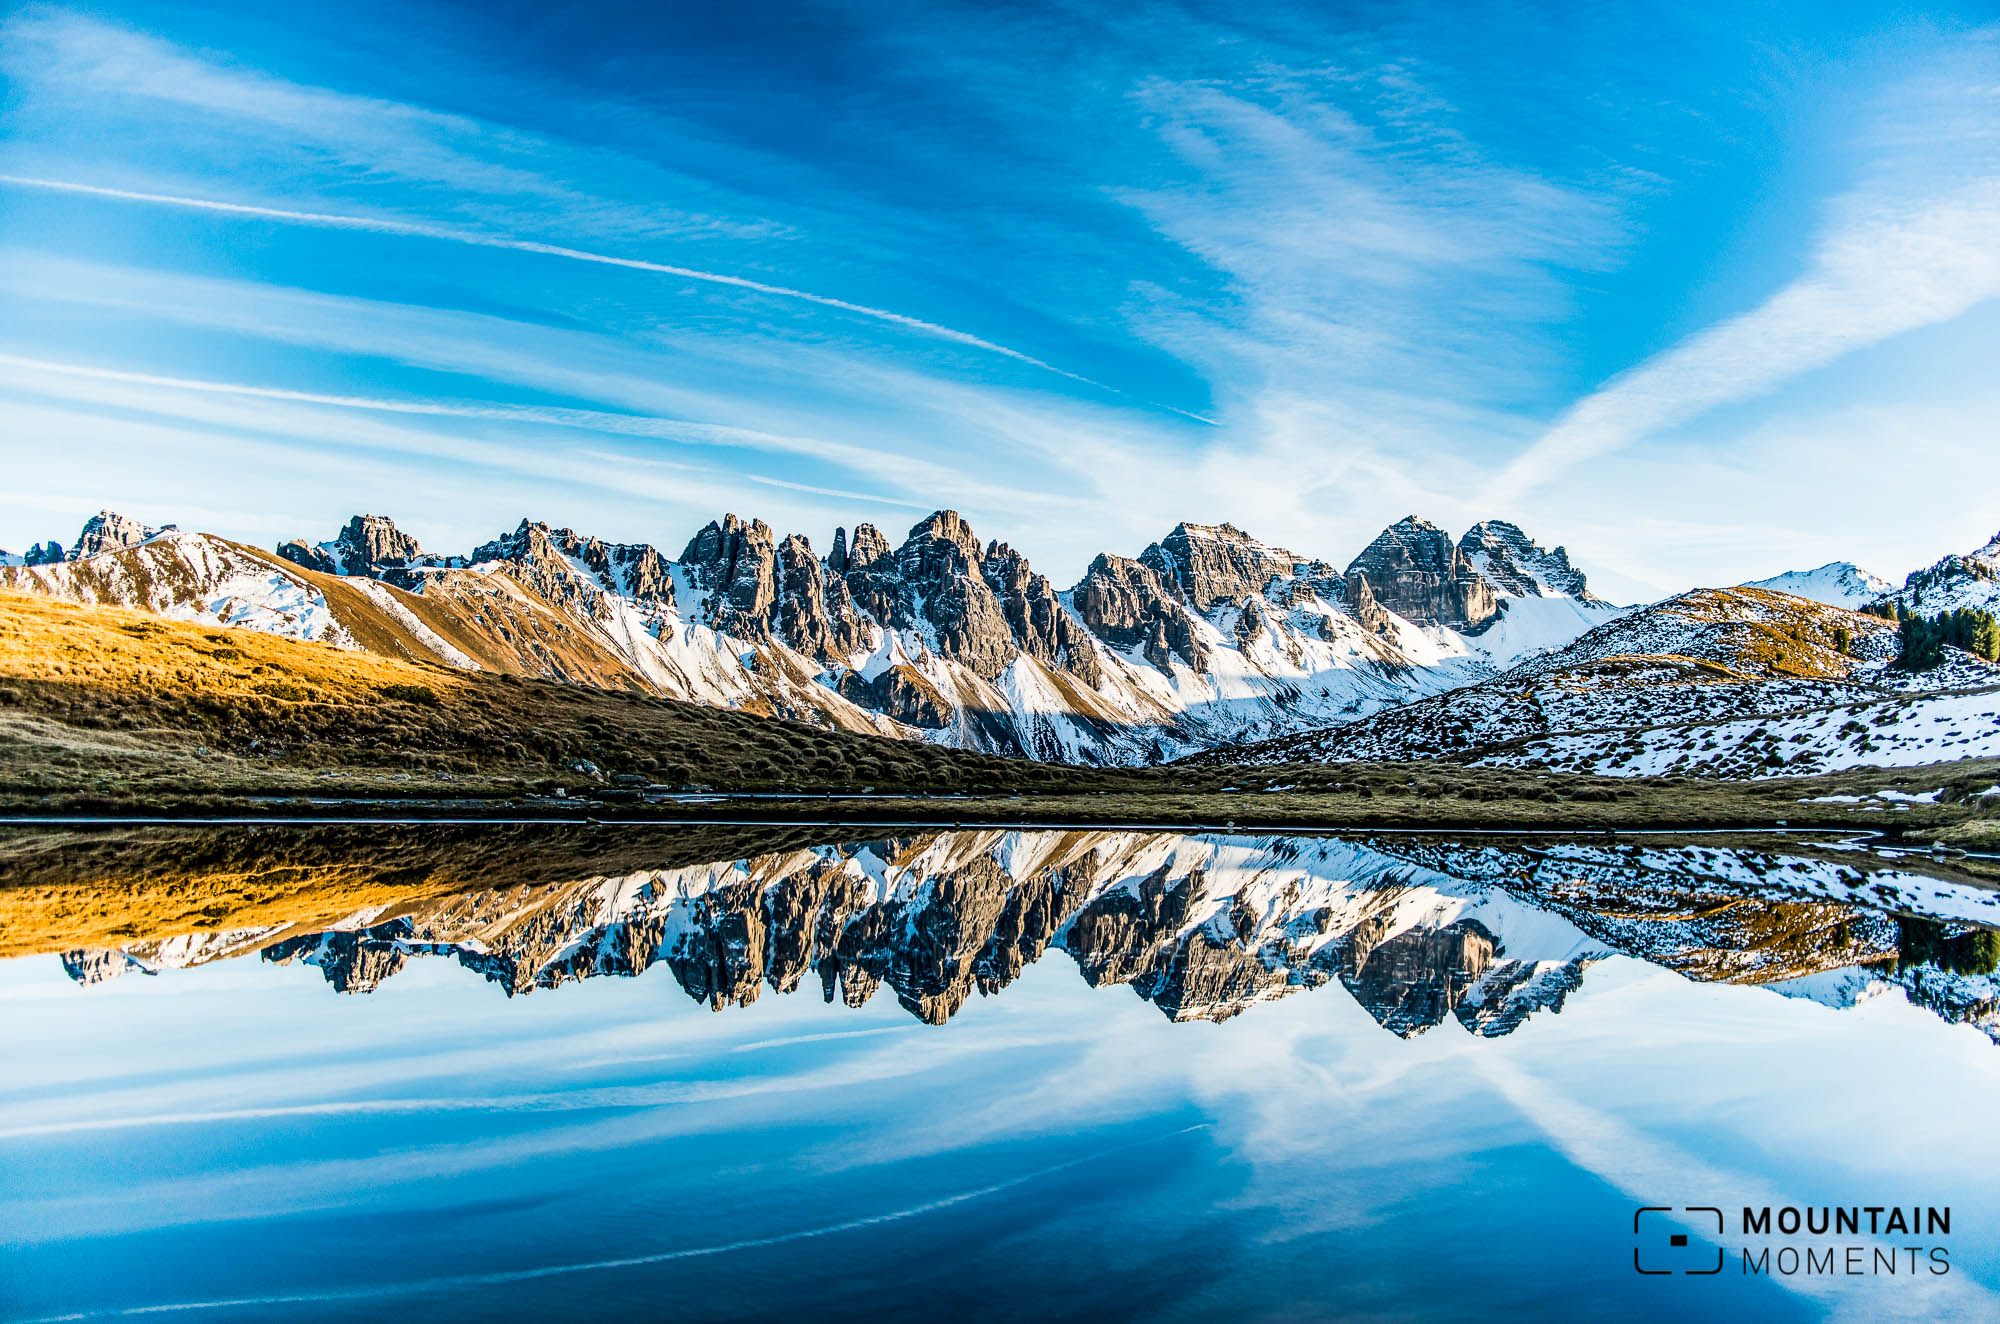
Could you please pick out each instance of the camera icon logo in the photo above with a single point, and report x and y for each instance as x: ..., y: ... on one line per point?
x: 1661, y: 1248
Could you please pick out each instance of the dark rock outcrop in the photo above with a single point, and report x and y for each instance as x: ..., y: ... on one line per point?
x: 540, y: 558
x: 761, y: 590
x: 1359, y: 599
x: 815, y: 612
x: 1411, y: 981
x: 1414, y: 570
x: 371, y: 546
x: 902, y: 693
x: 984, y: 606
x: 737, y: 564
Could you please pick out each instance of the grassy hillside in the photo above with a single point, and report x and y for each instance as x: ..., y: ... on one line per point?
x: 102, y: 699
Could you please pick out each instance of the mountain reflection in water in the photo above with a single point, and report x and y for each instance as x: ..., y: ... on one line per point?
x: 230, y: 1140
x: 1202, y: 927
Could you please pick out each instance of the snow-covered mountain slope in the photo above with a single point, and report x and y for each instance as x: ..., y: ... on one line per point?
x: 197, y: 577
x: 1208, y: 637
x: 1837, y: 583
x: 1204, y: 927
x: 1705, y: 656
x: 1971, y: 580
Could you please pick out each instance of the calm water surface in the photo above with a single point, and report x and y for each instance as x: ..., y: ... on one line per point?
x: 1089, y: 1076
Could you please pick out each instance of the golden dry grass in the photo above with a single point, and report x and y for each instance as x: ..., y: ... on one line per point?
x: 95, y: 698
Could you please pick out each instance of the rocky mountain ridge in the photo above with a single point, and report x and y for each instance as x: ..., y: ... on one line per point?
x: 1208, y: 636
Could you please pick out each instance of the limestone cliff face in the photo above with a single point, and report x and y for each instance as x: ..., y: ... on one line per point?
x: 108, y: 531
x: 761, y: 590
x: 1215, y: 571
x: 538, y: 557
x: 983, y: 606
x: 1515, y: 564
x: 939, y: 567
x: 1414, y: 570
x: 1127, y: 604
x: 1410, y: 981
x: 1206, y: 564
x: 900, y: 692
x: 1034, y: 614
x: 737, y: 564
x: 815, y: 612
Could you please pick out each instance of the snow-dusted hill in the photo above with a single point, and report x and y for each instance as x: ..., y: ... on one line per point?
x: 1714, y: 655
x: 1208, y: 637
x: 1837, y: 583
x: 1971, y: 580
x: 1876, y: 732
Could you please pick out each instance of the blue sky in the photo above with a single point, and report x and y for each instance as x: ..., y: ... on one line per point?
x: 1703, y: 294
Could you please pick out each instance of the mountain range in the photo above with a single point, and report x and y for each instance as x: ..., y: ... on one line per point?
x: 1209, y: 639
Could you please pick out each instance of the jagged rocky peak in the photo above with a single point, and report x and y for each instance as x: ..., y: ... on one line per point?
x: 762, y: 588
x: 946, y: 526
x: 541, y: 557
x: 376, y: 540
x: 366, y: 545
x: 1035, y: 615
x: 940, y: 566
x: 815, y: 612
x: 1207, y: 564
x: 1415, y: 570
x: 1518, y: 566
x: 369, y: 545
x: 1126, y: 604
x: 868, y: 547
x: 108, y: 531
x: 737, y: 563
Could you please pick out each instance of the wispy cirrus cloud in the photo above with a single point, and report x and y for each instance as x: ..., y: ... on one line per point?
x: 447, y: 234
x: 1912, y: 245
x: 66, y: 58
x: 1382, y: 286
